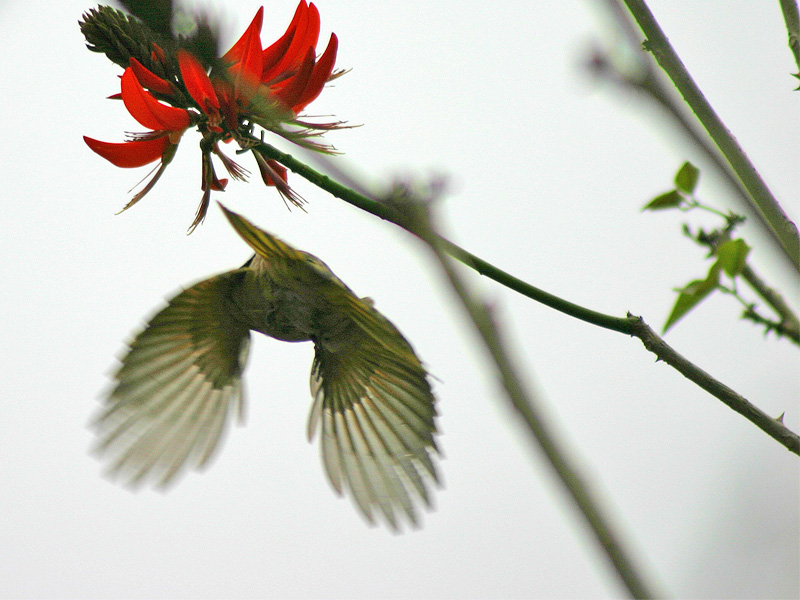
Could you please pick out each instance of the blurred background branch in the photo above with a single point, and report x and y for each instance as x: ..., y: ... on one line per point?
x: 414, y: 215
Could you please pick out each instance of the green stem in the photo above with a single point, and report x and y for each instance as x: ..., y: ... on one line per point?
x: 694, y: 203
x: 380, y: 209
x: 630, y: 325
x: 747, y: 181
x: 773, y: 427
x: 780, y: 329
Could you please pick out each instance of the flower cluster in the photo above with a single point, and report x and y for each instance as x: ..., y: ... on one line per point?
x: 248, y: 86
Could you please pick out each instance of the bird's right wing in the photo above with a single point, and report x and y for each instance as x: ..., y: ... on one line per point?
x: 377, y: 413
x: 177, y: 387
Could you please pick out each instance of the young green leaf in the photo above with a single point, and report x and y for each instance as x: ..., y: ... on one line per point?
x: 732, y: 256
x: 686, y: 178
x: 671, y: 199
x: 691, y: 295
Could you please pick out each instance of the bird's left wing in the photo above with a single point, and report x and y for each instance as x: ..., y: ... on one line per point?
x: 177, y: 387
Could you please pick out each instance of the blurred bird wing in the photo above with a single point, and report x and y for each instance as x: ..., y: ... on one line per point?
x: 371, y: 394
x: 377, y: 413
x: 177, y: 386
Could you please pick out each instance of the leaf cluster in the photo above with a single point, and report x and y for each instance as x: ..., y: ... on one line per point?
x: 731, y: 258
x: 731, y: 254
x: 685, y: 183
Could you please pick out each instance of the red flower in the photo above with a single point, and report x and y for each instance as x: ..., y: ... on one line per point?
x: 288, y: 67
x: 166, y: 122
x: 252, y: 87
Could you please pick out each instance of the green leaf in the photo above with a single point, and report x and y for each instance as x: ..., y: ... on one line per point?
x: 686, y: 178
x: 691, y: 295
x: 732, y: 256
x: 671, y: 199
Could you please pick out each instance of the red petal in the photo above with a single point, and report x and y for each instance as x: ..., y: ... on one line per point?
x: 149, y: 79
x: 157, y: 53
x: 312, y: 32
x: 290, y: 93
x: 278, y: 169
x: 130, y: 154
x: 322, y: 71
x: 274, y: 174
x: 305, y: 37
x: 227, y: 102
x: 273, y: 54
x: 246, y: 54
x: 240, y: 49
x: 197, y: 82
x: 149, y: 111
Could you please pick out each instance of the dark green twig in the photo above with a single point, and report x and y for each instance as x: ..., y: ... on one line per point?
x: 780, y: 328
x: 751, y: 314
x: 630, y: 325
x: 772, y: 426
x: 789, y: 325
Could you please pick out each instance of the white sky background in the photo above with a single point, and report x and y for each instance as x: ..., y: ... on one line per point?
x: 548, y: 169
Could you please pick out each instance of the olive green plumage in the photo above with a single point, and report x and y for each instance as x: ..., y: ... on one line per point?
x: 180, y: 383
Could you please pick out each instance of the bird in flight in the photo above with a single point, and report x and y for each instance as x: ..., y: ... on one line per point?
x: 180, y: 383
